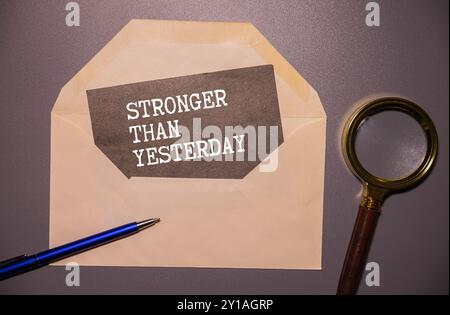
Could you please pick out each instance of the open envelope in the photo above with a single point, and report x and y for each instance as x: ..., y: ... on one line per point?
x: 265, y: 220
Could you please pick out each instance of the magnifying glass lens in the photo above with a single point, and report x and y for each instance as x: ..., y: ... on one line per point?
x: 390, y: 144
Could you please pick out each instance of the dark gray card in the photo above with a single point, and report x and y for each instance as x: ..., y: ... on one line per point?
x: 210, y: 125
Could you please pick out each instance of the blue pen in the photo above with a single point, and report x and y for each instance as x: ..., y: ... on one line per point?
x: 24, y: 263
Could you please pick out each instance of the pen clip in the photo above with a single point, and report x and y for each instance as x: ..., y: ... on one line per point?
x: 11, y: 260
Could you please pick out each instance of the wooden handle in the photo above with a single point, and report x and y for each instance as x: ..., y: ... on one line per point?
x: 358, y: 250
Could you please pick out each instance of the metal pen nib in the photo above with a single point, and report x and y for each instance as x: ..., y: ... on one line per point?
x: 147, y: 223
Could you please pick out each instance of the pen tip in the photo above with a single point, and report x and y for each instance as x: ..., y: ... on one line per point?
x: 147, y: 223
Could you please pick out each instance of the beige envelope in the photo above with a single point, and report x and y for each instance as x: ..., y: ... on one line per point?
x: 265, y: 220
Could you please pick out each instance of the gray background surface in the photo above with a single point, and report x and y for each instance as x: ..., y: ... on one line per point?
x: 330, y: 45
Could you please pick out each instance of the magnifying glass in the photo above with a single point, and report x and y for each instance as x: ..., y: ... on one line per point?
x: 376, y: 189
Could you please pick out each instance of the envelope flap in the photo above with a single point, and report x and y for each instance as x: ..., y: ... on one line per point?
x: 148, y: 50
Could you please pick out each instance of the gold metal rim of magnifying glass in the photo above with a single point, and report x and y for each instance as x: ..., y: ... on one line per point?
x: 383, y: 186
